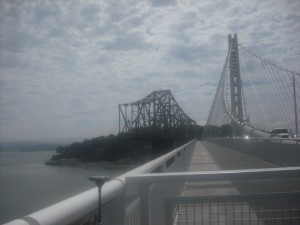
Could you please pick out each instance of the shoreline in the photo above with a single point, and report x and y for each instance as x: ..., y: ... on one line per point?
x: 86, y: 165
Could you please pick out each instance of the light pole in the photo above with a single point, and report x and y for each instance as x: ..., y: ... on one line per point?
x: 99, y: 180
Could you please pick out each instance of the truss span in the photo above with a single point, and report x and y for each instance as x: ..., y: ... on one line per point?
x: 157, y: 115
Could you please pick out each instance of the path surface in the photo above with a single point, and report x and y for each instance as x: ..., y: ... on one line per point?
x: 210, y: 157
x: 202, y: 160
x: 211, y: 210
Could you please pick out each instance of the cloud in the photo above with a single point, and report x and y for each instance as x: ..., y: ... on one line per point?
x: 132, y: 41
x: 90, y: 12
x: 66, y: 64
x: 193, y: 53
x: 162, y: 3
x: 187, y: 74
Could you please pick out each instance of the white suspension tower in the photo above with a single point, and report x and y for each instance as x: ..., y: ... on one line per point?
x: 235, y: 81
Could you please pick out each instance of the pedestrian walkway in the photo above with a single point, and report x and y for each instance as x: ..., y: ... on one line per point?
x: 202, y: 160
x: 208, y: 156
x: 225, y: 202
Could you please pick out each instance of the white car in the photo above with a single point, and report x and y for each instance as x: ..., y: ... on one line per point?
x: 280, y: 132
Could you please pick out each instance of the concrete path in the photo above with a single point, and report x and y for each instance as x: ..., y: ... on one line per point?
x: 211, y: 157
x: 202, y: 160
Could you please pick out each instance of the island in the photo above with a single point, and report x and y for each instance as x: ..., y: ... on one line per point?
x: 111, y: 149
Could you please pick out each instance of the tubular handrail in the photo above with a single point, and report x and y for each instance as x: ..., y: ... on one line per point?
x: 73, y: 209
x: 256, y: 139
x: 245, y: 174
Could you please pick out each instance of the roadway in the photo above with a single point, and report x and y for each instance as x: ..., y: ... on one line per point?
x: 208, y: 156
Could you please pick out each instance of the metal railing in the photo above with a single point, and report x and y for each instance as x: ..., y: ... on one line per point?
x: 120, y: 202
x: 252, y: 209
x: 283, y: 151
x: 264, y: 208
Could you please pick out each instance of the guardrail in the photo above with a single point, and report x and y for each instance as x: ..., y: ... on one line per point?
x: 282, y: 151
x: 254, y: 209
x: 120, y: 202
x: 263, y: 208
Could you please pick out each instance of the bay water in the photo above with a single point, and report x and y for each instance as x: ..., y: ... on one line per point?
x: 28, y: 185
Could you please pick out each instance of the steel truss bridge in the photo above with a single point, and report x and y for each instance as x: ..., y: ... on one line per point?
x: 158, y: 115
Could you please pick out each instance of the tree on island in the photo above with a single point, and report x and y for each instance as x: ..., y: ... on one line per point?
x: 108, y: 148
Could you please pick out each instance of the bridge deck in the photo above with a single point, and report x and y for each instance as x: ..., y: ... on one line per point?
x: 209, y: 157
x: 208, y: 208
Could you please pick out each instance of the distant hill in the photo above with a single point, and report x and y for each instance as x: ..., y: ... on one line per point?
x: 28, y: 146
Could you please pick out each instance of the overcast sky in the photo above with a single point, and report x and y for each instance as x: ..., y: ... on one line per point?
x: 66, y: 65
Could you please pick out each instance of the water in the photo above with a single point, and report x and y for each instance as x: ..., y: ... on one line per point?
x: 27, y: 185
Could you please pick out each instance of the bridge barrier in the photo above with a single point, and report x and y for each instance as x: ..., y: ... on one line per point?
x: 283, y: 151
x: 120, y: 201
x: 254, y: 208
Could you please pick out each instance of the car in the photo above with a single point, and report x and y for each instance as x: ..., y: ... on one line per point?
x: 280, y: 132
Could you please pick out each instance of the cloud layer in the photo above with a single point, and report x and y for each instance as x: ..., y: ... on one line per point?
x: 66, y: 65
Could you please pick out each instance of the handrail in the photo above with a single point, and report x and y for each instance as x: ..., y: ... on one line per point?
x: 245, y: 174
x: 73, y: 209
x: 255, y: 139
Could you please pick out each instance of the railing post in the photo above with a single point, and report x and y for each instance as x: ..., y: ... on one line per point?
x: 145, y: 204
x: 269, y: 151
x: 281, y: 153
x: 297, y: 149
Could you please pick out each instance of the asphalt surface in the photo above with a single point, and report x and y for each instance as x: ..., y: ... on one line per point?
x: 247, y: 202
x: 209, y: 157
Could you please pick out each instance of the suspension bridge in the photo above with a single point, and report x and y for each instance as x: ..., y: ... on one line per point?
x: 254, y: 97
x: 224, y: 178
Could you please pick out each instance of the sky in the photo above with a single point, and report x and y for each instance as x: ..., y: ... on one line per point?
x: 66, y: 65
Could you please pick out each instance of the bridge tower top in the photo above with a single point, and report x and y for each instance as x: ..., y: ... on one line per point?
x: 235, y: 78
